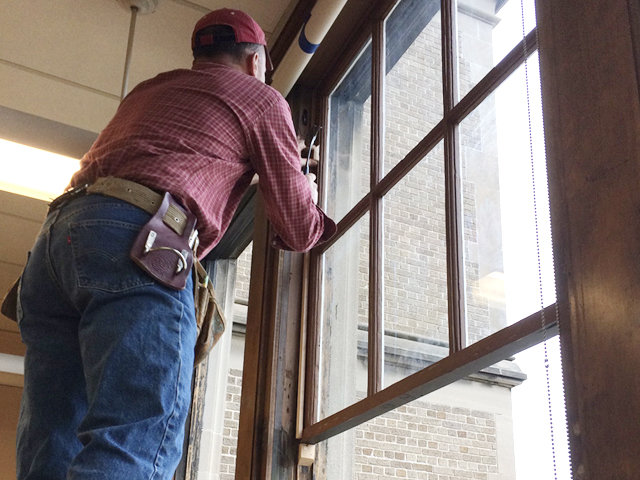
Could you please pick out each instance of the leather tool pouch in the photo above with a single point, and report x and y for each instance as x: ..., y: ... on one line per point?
x: 163, y: 248
x: 10, y: 302
x: 209, y: 316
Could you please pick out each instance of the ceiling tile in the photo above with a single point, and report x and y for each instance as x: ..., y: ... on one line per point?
x: 83, y: 42
x: 162, y: 41
x: 21, y: 206
x: 266, y: 12
x: 17, y: 236
x: 49, y: 98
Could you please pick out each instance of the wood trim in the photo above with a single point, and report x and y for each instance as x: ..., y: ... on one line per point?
x: 312, y: 361
x: 456, y: 282
x: 634, y: 24
x: 287, y: 313
x: 591, y: 106
x: 312, y: 367
x: 457, y: 366
x: 283, y: 308
x: 303, y: 340
x: 255, y: 375
x: 266, y: 398
x: 11, y: 379
x: 375, y: 356
x: 449, y: 55
x: 11, y: 343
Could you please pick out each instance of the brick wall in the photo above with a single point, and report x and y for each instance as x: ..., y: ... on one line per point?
x: 421, y: 440
x: 231, y: 424
x: 243, y: 274
x: 427, y: 441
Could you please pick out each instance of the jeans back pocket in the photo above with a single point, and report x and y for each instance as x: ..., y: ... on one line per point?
x: 101, y: 254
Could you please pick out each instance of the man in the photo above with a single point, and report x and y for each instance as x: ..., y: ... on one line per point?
x: 109, y: 350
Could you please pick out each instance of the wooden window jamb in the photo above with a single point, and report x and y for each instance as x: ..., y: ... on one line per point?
x: 254, y: 436
x: 312, y: 361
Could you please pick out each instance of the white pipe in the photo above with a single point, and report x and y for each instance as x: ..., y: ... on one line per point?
x: 323, y: 15
x: 11, y: 364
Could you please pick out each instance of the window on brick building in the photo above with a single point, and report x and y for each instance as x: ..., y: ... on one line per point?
x: 441, y: 268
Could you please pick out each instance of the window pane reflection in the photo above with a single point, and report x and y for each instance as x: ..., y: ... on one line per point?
x: 345, y: 310
x: 487, y: 31
x: 415, y: 270
x: 503, y: 242
x: 413, y: 82
x: 349, y: 144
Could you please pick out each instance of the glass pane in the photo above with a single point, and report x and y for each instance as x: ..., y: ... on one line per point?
x: 349, y: 142
x: 226, y: 444
x: 345, y: 310
x: 492, y: 425
x: 487, y: 31
x: 532, y: 427
x: 415, y: 270
x: 413, y: 82
x: 505, y: 233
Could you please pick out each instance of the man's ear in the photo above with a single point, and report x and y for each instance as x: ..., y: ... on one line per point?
x: 253, y: 65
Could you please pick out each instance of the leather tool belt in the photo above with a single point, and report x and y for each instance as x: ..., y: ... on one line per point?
x: 165, y: 248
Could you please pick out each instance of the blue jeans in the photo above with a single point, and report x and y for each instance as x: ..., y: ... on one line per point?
x: 109, y: 359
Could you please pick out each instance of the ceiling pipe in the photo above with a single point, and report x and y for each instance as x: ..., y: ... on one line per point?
x: 127, y: 60
x: 136, y: 7
x: 313, y: 31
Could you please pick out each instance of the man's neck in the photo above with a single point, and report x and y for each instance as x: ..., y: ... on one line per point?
x: 220, y: 60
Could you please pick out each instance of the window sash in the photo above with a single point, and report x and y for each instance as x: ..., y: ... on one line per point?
x: 463, y: 360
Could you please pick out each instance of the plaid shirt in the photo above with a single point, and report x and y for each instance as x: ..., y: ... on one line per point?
x: 201, y: 134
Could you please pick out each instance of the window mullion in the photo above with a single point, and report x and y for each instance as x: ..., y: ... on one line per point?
x: 453, y: 182
x: 376, y: 318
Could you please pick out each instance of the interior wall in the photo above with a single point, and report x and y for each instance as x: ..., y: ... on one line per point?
x: 9, y: 409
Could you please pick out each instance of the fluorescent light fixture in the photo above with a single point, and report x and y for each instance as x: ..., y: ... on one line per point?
x: 34, y: 173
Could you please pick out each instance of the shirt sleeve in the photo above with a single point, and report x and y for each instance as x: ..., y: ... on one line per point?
x: 297, y: 221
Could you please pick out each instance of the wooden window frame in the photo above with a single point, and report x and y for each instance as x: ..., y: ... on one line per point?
x: 463, y: 360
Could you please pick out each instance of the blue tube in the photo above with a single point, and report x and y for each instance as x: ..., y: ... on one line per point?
x: 305, y: 44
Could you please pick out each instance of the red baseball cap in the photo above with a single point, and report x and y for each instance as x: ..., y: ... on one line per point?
x: 244, y: 27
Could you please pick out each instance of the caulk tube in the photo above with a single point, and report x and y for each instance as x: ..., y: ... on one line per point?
x: 322, y: 16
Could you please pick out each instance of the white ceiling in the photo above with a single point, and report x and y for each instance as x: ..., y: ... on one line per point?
x: 61, y: 64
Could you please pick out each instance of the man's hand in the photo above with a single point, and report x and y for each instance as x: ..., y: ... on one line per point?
x: 311, y: 178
